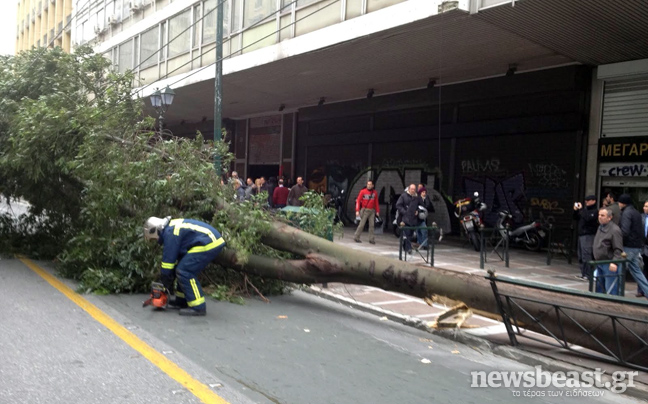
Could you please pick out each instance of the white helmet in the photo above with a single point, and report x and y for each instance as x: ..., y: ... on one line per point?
x: 153, y: 225
x: 422, y: 213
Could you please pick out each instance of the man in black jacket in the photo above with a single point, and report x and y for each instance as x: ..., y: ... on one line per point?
x: 633, y: 241
x: 587, y: 217
x: 407, y: 207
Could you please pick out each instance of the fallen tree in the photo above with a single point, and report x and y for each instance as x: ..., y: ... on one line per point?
x: 324, y: 261
x: 73, y: 143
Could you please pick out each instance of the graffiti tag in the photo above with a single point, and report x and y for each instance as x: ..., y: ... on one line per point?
x: 546, y: 204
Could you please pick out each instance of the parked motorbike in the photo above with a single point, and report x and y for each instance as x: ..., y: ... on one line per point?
x: 469, y: 210
x: 530, y: 235
x: 337, y: 203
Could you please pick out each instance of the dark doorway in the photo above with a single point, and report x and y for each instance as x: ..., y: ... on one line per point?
x: 256, y: 170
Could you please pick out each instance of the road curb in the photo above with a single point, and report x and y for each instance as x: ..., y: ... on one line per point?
x: 520, y: 355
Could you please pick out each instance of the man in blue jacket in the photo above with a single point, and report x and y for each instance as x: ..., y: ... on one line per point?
x: 189, y: 245
x: 632, y: 228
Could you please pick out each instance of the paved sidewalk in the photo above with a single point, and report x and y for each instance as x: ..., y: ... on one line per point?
x: 453, y: 254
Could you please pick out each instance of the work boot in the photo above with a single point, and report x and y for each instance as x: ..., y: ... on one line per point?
x: 192, y: 312
x: 372, y: 241
x: 357, y: 240
x: 177, y: 304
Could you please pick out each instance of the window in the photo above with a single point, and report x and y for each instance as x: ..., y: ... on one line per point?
x: 197, y: 24
x: 118, y: 9
x: 257, y: 10
x: 126, y: 56
x: 101, y: 18
x: 149, y: 47
x: 110, y: 8
x: 299, y: 3
x: 179, y: 43
x: 209, y: 22
x: 236, y: 23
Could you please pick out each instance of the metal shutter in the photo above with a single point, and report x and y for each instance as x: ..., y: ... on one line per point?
x: 625, y: 108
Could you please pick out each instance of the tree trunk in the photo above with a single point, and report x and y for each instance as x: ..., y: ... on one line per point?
x: 325, y: 261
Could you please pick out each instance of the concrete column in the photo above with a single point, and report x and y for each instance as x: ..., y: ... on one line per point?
x: 596, y: 113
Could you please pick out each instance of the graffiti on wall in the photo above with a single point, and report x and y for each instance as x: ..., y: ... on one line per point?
x: 548, y: 175
x: 389, y: 181
x: 498, y: 195
x: 525, y: 195
x: 472, y: 166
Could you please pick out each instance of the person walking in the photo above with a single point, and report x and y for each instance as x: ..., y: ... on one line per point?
x: 367, y: 208
x: 633, y: 231
x: 407, y: 206
x: 608, y: 245
x: 426, y: 203
x: 587, y: 217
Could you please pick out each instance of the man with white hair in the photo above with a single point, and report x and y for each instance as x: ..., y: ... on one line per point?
x: 189, y: 245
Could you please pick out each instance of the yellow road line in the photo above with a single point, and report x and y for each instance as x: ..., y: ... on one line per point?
x: 175, y: 372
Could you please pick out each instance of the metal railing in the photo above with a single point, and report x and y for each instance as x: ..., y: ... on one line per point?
x: 493, y: 240
x: 432, y: 232
x: 560, y: 248
x: 514, y: 315
x: 598, y: 281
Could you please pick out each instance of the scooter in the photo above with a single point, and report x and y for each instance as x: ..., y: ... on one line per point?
x: 469, y: 213
x: 337, y: 203
x: 529, y: 235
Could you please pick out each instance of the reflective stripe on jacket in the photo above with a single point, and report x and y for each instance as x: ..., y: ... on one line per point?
x: 187, y: 236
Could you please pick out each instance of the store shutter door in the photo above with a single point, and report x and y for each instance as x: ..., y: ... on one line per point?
x: 625, y: 108
x: 265, y: 140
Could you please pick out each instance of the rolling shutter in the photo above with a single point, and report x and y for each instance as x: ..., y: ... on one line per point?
x: 625, y: 108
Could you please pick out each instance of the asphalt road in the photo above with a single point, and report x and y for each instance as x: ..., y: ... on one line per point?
x: 298, y: 349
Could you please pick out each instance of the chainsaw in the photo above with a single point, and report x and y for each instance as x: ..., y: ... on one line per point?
x: 159, y: 297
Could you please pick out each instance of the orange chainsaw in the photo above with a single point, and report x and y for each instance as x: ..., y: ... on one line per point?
x: 159, y: 297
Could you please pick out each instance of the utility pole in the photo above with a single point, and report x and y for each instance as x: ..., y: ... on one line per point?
x: 218, y: 86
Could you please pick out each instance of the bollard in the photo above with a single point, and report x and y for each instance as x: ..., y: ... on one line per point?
x: 506, y: 246
x: 549, y: 253
x: 431, y: 242
x: 482, y: 257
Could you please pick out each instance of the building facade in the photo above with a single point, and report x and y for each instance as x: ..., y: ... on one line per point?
x: 533, y: 103
x: 44, y: 23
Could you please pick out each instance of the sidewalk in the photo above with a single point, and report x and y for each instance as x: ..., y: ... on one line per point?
x: 453, y: 254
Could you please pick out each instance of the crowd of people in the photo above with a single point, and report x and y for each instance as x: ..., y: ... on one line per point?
x: 607, y: 232
x: 281, y: 191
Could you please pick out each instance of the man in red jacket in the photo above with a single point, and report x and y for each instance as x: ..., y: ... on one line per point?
x: 367, y: 208
x: 280, y: 196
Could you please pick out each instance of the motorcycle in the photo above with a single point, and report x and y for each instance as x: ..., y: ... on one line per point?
x: 530, y: 235
x: 469, y: 210
x: 337, y: 203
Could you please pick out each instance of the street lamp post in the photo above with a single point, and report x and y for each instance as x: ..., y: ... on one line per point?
x: 161, y: 101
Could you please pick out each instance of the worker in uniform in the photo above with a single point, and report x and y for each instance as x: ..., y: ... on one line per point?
x: 188, y: 246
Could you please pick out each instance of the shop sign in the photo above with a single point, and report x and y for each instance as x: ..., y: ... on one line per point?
x: 623, y: 149
x: 623, y: 169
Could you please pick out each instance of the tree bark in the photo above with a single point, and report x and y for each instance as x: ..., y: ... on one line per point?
x: 325, y: 261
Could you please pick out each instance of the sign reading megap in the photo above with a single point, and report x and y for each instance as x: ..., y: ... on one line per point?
x: 623, y: 149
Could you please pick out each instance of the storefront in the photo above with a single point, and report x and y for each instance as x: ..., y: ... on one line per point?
x: 623, y: 137
x: 517, y: 140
